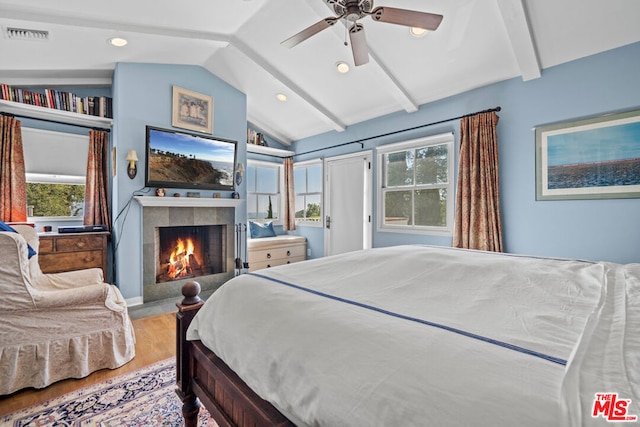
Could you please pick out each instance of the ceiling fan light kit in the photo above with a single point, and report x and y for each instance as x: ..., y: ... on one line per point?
x: 353, y: 10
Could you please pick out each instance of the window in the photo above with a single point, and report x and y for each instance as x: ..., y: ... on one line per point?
x: 416, y: 186
x: 46, y: 199
x: 56, y: 167
x: 263, y: 191
x: 307, y: 183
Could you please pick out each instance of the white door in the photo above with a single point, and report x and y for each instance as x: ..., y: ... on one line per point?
x: 348, y: 203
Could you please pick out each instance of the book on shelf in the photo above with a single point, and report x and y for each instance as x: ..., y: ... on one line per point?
x: 99, y: 106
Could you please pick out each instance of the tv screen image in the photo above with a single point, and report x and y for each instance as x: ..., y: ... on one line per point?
x: 178, y: 159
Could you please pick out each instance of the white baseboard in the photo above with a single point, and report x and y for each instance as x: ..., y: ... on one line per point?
x: 132, y: 302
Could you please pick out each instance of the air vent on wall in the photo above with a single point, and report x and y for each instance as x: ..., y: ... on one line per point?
x: 25, y: 34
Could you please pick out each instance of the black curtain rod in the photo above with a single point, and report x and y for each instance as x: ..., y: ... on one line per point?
x: 54, y: 121
x: 361, y: 141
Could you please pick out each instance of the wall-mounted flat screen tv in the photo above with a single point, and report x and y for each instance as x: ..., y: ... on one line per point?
x: 187, y: 160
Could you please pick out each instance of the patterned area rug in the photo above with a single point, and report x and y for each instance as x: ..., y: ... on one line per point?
x: 145, y: 397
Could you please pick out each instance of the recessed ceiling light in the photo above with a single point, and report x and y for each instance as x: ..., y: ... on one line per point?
x: 342, y: 67
x: 417, y: 32
x: 117, y: 41
x: 281, y: 97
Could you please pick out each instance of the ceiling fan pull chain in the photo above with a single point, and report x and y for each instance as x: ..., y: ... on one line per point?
x: 345, y: 33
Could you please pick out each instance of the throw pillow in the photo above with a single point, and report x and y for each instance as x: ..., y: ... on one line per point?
x: 6, y: 227
x: 261, y: 230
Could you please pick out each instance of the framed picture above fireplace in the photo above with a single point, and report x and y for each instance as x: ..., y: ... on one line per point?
x: 192, y: 110
x: 177, y: 159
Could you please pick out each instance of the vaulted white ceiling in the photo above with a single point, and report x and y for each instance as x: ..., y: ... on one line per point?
x: 479, y: 42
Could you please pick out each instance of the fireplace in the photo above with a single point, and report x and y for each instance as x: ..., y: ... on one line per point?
x: 189, y: 251
x: 168, y: 224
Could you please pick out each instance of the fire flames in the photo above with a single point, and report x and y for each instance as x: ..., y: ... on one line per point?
x: 182, y: 262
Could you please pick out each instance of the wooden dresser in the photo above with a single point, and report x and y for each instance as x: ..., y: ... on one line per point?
x: 72, y: 251
x: 271, y: 251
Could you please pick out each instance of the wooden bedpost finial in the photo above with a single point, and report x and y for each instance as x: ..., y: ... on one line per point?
x: 190, y: 291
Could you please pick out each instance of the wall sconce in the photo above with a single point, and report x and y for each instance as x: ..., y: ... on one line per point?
x: 132, y: 158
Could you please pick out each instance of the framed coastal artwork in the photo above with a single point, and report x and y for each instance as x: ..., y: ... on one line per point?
x: 592, y: 158
x: 192, y: 110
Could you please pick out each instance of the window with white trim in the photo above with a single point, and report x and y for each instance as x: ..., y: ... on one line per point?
x: 307, y: 183
x: 56, y: 167
x: 264, y: 201
x: 415, y: 192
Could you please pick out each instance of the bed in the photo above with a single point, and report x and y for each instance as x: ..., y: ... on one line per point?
x: 415, y: 335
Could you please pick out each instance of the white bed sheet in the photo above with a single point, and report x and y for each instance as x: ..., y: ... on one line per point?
x: 425, y: 336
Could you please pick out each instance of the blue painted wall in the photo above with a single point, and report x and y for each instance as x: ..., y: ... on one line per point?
x: 142, y: 96
x: 587, y: 229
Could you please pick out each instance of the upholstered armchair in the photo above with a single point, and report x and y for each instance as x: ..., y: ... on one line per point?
x: 55, y: 326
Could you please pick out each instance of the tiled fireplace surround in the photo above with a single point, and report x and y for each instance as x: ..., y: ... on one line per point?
x: 164, y: 212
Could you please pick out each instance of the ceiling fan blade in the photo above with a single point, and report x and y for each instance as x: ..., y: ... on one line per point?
x: 310, y: 31
x: 358, y: 44
x: 409, y: 18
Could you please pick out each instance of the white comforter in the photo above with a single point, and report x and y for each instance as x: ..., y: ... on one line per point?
x: 424, y: 336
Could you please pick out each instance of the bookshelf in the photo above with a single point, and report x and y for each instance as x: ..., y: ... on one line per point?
x: 277, y: 152
x: 50, y: 114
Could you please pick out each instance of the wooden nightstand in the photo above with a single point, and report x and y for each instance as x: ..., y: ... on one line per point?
x: 73, y: 251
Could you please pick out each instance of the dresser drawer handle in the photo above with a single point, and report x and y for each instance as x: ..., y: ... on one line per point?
x: 268, y: 256
x: 80, y: 244
x: 288, y: 253
x: 268, y: 265
x: 89, y: 259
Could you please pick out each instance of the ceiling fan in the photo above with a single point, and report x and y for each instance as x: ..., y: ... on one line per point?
x: 352, y: 11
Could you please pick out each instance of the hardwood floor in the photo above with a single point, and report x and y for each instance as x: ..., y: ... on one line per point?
x: 155, y: 341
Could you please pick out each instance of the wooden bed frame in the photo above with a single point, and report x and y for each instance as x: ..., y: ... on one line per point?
x: 202, y: 376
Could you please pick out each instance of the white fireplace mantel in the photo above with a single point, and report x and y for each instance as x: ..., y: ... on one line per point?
x: 190, y: 202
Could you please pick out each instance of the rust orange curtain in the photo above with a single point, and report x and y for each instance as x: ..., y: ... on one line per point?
x: 13, y: 183
x: 477, y: 216
x: 289, y: 196
x: 96, y: 203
